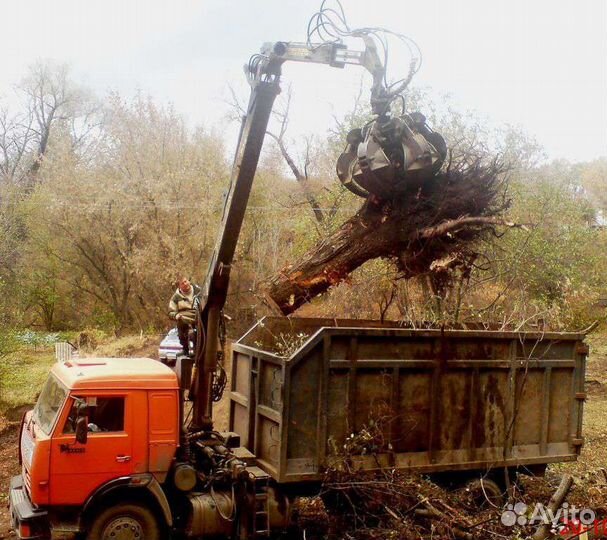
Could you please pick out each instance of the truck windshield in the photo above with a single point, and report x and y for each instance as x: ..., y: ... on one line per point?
x: 49, y: 403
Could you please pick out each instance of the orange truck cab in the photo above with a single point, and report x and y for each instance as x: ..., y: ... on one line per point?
x: 130, y: 412
x: 103, y: 458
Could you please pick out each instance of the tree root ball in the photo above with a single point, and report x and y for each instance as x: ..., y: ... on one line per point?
x: 440, y: 220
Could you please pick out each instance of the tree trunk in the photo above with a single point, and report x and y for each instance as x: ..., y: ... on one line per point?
x: 442, y: 218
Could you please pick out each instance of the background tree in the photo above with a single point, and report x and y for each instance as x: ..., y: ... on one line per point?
x: 103, y: 201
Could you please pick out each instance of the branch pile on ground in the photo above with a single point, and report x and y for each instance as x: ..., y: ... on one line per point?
x: 400, y: 505
x: 406, y: 506
x: 432, y: 227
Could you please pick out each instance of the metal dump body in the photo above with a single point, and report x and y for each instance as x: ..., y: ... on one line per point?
x: 445, y: 400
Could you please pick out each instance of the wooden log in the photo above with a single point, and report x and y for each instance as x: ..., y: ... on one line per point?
x: 556, y: 501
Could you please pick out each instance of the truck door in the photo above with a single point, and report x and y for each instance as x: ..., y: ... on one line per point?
x: 78, y: 469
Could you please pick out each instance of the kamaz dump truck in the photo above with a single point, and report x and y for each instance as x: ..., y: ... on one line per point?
x: 104, y: 455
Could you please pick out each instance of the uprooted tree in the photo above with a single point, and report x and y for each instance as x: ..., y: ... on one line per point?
x: 429, y: 229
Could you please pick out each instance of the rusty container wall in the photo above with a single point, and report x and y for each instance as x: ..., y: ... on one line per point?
x: 459, y: 399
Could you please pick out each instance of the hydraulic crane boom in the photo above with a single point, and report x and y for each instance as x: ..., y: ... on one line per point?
x: 264, y: 77
x: 218, y: 275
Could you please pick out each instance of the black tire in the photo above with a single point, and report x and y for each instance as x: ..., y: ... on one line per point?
x: 130, y: 521
x: 485, y: 492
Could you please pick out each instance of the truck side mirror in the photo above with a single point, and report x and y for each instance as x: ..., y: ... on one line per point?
x: 82, y: 430
x: 82, y: 427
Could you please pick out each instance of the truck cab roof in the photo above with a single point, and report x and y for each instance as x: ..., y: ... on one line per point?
x: 115, y: 373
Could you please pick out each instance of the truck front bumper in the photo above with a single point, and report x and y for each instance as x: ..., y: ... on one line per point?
x: 29, y: 523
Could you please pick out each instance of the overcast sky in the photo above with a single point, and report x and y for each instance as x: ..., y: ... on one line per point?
x: 538, y: 63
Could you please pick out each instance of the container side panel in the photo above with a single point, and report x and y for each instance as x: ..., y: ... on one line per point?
x: 340, y: 348
x: 240, y: 421
x: 395, y: 348
x: 337, y: 417
x: 528, y: 407
x: 242, y: 370
x: 546, y: 350
x: 413, y: 413
x: 560, y: 408
x: 454, y: 411
x: 372, y: 398
x: 303, y: 407
x: 270, y: 386
x: 474, y: 349
x: 269, y: 445
x: 489, y: 427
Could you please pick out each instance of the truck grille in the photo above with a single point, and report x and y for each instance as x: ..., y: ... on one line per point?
x: 27, y: 481
x: 27, y: 446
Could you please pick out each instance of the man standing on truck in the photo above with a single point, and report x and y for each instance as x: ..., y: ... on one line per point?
x: 181, y: 309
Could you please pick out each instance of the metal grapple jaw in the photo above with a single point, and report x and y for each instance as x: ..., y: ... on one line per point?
x: 390, y: 156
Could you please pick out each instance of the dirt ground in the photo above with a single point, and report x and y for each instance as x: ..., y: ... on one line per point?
x: 8, y: 465
x: 592, y: 459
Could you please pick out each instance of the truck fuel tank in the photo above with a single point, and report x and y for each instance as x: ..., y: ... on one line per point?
x: 213, y: 512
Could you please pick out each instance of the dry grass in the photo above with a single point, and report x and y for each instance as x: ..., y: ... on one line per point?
x: 22, y: 373
x: 135, y: 345
x: 594, y: 452
x: 21, y: 376
x: 590, y: 482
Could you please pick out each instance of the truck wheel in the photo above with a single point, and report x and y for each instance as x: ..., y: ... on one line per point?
x: 125, y: 522
x: 485, y: 492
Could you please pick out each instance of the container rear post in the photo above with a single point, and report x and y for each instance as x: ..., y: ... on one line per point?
x: 284, y: 428
x: 323, y: 399
x: 582, y: 351
x: 351, y: 404
x: 434, y: 424
x: 394, y: 426
x: 510, y: 416
x: 477, y: 433
x: 545, y: 418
